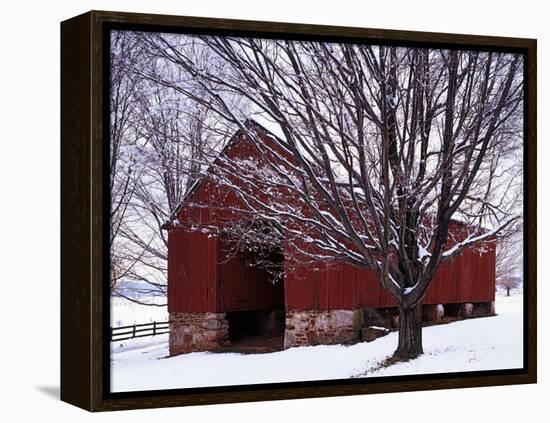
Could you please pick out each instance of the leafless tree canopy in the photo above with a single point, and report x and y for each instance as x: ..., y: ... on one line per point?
x: 509, y: 263
x: 381, y: 148
x: 160, y: 140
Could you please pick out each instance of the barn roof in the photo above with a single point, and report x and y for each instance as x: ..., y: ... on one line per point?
x: 249, y: 123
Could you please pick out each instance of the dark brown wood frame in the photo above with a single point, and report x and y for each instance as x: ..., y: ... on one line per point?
x: 84, y: 258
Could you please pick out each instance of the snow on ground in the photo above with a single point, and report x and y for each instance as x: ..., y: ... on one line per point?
x: 125, y: 312
x: 488, y: 343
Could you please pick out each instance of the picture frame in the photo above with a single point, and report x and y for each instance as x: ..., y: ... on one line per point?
x: 85, y: 353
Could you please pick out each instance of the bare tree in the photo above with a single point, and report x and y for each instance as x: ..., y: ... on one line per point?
x: 509, y: 283
x: 122, y: 137
x: 509, y: 264
x: 160, y: 140
x: 172, y: 139
x: 383, y: 150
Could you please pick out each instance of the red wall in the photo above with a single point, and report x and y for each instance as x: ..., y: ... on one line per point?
x: 200, y: 280
x: 247, y: 288
x: 194, y: 274
x: 192, y: 259
x: 467, y: 278
x: 194, y: 271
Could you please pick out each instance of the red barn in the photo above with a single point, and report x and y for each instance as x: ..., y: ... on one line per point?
x: 216, y: 302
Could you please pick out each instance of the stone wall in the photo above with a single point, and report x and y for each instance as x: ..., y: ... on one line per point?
x: 191, y: 332
x: 468, y: 310
x: 432, y: 312
x: 313, y: 327
x: 484, y: 309
x: 197, y: 332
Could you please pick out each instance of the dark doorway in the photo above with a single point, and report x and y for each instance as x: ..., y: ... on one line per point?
x: 251, y: 292
x: 256, y: 331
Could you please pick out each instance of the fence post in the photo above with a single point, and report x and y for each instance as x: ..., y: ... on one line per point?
x: 144, y: 329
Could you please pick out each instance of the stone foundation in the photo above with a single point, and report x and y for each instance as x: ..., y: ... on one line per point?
x: 466, y: 310
x: 484, y: 309
x: 432, y: 312
x: 191, y: 332
x: 313, y: 327
x: 469, y: 310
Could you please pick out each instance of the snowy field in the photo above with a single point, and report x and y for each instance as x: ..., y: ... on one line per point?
x: 479, y: 344
x: 124, y: 312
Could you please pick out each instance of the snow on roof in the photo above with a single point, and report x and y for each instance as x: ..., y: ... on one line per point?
x: 272, y: 127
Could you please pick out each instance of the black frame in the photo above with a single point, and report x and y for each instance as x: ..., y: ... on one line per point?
x: 85, y: 206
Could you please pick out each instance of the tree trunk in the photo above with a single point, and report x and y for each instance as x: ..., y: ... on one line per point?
x: 507, y: 291
x: 410, y: 333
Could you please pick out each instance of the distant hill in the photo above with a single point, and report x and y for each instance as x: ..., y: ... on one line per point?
x: 135, y: 289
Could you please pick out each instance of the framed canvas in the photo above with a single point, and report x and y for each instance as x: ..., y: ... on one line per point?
x: 258, y: 211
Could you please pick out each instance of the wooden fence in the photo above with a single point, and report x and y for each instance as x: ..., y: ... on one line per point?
x: 122, y: 333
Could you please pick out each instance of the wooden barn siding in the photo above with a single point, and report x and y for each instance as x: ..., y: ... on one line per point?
x: 246, y: 288
x: 195, y: 263
x: 468, y: 278
x: 192, y: 259
x: 201, y: 281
